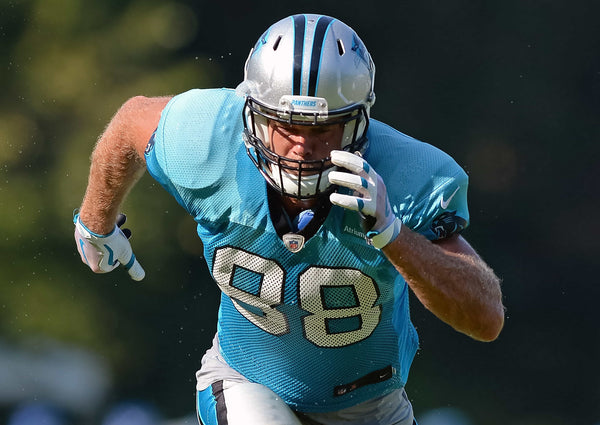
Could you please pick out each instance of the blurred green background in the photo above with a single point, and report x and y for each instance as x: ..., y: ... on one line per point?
x: 510, y: 88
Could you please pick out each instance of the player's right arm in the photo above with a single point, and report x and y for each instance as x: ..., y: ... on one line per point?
x: 117, y: 163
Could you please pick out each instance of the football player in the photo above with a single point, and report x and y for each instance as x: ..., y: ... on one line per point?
x: 315, y: 219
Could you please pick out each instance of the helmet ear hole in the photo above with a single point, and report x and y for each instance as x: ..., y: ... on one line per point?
x: 340, y: 45
x: 276, y: 44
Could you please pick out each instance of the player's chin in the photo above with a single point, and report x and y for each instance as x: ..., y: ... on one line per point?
x: 305, y: 167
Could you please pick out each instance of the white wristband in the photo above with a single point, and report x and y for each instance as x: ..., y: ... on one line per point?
x: 387, y: 235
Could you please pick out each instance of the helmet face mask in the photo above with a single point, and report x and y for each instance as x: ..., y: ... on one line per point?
x: 305, y: 70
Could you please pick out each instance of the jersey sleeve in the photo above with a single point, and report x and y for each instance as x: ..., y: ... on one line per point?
x: 156, y: 171
x: 444, y: 211
x: 167, y: 148
x: 426, y: 187
x: 193, y: 150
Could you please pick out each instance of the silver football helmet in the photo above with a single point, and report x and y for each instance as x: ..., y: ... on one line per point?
x: 306, y: 70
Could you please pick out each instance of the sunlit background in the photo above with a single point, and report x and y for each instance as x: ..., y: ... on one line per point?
x: 510, y: 88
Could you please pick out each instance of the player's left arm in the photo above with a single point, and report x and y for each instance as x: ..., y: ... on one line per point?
x: 451, y: 280
x: 447, y: 276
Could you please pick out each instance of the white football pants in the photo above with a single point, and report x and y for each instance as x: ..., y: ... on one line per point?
x: 246, y: 403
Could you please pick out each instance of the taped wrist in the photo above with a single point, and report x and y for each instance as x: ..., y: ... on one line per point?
x: 387, y: 235
x: 87, y: 233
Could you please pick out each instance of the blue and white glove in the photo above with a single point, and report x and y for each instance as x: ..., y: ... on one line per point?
x: 369, y: 199
x: 104, y: 253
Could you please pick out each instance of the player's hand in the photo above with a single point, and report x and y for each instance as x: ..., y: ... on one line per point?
x: 369, y: 199
x: 104, y: 253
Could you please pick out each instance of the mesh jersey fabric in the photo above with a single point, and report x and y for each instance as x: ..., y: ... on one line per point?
x: 303, y: 324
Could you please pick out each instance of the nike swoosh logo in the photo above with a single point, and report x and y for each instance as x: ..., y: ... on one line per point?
x: 444, y: 203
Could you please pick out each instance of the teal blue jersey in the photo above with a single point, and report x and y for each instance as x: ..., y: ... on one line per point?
x: 327, y: 327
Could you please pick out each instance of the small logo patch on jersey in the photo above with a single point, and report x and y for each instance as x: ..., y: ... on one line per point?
x: 352, y: 225
x: 150, y: 144
x: 372, y: 378
x: 447, y: 224
x: 354, y: 232
x: 293, y: 242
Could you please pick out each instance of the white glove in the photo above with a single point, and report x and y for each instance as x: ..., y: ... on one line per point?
x: 104, y: 253
x: 369, y: 199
